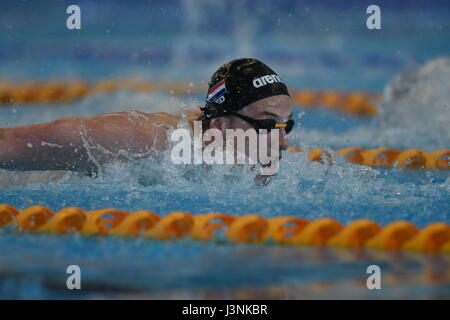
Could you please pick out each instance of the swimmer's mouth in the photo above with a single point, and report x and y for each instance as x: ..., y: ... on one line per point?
x: 270, y: 162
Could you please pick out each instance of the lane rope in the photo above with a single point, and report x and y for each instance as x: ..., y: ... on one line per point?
x: 384, y: 157
x: 251, y: 228
x: 360, y: 104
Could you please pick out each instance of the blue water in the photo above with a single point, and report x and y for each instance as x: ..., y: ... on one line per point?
x: 311, y: 45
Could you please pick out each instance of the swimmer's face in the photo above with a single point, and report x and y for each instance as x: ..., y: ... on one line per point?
x: 278, y: 108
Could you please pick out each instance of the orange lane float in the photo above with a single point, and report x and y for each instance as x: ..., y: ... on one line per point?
x: 430, y: 239
x: 285, y: 229
x: 176, y: 225
x: 67, y: 220
x: 8, y: 214
x: 205, y: 225
x: 251, y: 228
x: 318, y: 232
x: 380, y: 157
x: 32, y: 218
x: 393, y: 236
x: 356, y: 234
x: 136, y: 224
x: 353, y: 103
x: 438, y: 159
x: 102, y: 221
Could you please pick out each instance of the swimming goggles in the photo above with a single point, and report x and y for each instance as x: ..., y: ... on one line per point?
x: 267, y: 124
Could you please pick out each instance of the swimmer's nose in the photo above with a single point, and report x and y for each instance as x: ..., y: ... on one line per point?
x: 284, y: 143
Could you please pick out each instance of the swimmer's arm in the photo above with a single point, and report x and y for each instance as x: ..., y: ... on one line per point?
x: 50, y: 146
x: 79, y: 144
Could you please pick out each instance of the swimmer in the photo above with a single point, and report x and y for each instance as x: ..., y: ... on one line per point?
x: 243, y: 93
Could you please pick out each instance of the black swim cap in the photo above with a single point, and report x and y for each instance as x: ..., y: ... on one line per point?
x: 238, y: 83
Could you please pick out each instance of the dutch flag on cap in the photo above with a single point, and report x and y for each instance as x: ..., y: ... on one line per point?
x: 215, y: 92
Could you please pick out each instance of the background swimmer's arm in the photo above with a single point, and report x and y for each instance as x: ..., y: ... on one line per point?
x: 81, y: 144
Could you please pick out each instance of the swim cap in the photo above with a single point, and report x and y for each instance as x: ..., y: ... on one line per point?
x: 238, y: 83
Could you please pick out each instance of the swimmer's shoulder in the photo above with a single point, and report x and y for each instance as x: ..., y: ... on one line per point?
x: 156, y: 118
x: 164, y: 117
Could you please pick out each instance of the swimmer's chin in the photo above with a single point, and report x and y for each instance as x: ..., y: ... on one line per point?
x: 270, y: 169
x: 262, y: 180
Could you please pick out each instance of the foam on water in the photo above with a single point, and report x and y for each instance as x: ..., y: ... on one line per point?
x: 420, y: 98
x: 303, y: 188
x: 415, y: 113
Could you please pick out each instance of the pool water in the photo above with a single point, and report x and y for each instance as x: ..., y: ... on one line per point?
x: 311, y: 45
